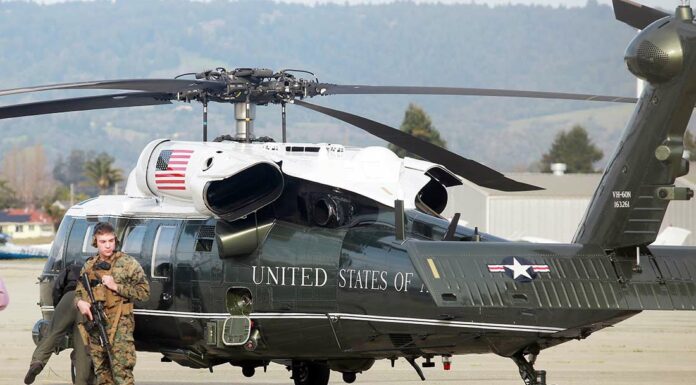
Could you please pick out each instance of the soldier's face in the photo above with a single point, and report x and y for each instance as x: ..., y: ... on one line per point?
x: 106, y: 243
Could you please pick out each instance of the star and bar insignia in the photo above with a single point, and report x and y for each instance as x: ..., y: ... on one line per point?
x: 519, y: 269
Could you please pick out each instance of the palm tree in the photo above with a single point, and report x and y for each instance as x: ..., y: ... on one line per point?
x: 102, y: 173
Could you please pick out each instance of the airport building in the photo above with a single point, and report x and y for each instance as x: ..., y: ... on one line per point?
x: 552, y: 214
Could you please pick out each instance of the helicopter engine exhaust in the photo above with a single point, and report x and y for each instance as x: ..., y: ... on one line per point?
x: 245, y: 192
x: 215, y: 180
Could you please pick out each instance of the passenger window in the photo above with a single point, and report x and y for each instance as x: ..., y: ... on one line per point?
x: 187, y: 241
x: 162, y: 253
x: 133, y: 244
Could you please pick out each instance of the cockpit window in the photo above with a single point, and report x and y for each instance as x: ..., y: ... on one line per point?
x: 87, y: 243
x: 75, y: 250
x: 55, y: 256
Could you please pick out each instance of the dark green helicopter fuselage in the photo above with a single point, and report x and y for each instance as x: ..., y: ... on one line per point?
x: 352, y: 293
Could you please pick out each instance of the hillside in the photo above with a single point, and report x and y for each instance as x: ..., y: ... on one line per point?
x: 469, y: 45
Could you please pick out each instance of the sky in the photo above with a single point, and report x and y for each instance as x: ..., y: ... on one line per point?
x: 568, y: 3
x: 665, y: 4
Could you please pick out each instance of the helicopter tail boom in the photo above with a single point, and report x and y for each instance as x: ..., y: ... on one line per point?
x: 629, y: 204
x: 540, y: 277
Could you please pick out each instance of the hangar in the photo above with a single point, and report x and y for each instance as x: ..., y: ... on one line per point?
x: 553, y: 214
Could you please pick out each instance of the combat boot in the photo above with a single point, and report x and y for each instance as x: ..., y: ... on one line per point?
x: 34, y: 369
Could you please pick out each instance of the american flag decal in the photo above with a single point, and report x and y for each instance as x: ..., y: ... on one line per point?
x: 170, y: 171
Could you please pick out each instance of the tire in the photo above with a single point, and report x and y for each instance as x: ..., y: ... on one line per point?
x: 310, y: 373
x: 349, y: 377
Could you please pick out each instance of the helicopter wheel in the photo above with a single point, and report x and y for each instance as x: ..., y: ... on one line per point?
x: 248, y: 371
x: 349, y: 377
x: 310, y: 373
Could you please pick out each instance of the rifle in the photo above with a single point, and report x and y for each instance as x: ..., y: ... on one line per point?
x: 99, y: 319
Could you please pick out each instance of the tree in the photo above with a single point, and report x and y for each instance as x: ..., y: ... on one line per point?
x: 417, y: 123
x: 71, y: 170
x: 26, y: 172
x: 101, y: 172
x: 8, y: 197
x: 575, y: 149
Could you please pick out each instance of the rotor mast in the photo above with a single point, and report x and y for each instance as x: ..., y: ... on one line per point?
x: 244, y: 115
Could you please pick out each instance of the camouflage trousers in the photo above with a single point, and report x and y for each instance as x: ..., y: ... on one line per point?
x: 120, y: 371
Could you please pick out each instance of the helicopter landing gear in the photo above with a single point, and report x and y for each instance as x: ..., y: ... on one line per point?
x: 310, y: 373
x: 529, y: 375
x: 349, y: 377
x: 248, y: 371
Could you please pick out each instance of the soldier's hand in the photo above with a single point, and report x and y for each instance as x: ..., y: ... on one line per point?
x: 109, y: 282
x: 85, y: 309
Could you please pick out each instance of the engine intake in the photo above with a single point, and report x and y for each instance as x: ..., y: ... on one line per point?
x: 228, y: 181
x: 245, y: 192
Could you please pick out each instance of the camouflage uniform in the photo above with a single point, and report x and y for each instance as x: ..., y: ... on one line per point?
x: 132, y: 286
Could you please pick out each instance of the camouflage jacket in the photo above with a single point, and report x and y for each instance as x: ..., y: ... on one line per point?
x: 128, y: 274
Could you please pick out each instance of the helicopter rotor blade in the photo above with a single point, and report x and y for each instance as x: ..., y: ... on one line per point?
x: 134, y: 99
x: 171, y: 86
x: 467, y: 168
x: 346, y: 89
x: 636, y: 15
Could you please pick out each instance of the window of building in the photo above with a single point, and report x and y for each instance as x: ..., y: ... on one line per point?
x: 19, y: 228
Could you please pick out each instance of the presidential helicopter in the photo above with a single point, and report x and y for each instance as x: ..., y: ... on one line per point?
x: 326, y: 258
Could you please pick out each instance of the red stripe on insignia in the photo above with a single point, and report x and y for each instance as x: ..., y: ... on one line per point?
x: 171, y: 187
x: 170, y: 181
x: 176, y: 168
x: 169, y: 175
x: 182, y: 151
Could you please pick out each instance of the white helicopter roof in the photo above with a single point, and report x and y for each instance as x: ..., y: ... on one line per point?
x: 170, y: 177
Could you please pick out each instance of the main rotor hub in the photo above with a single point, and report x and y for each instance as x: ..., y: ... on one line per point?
x: 258, y: 86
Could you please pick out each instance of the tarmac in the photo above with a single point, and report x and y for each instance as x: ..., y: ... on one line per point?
x: 650, y: 348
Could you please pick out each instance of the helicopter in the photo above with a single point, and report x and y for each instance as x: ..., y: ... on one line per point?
x: 322, y: 257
